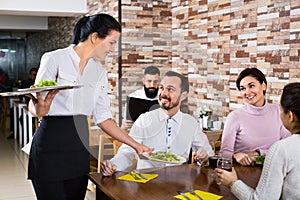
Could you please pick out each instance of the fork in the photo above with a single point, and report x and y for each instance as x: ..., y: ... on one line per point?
x: 139, y: 174
x: 195, y: 194
x: 184, y: 195
x: 134, y: 176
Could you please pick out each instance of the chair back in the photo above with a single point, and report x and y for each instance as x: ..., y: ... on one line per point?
x: 106, y: 150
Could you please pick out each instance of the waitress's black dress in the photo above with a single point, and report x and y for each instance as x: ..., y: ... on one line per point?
x: 59, y: 149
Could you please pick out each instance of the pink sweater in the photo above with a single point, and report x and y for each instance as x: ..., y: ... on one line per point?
x: 249, y: 128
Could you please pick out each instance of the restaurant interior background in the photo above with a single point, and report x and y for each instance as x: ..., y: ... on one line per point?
x: 210, y: 42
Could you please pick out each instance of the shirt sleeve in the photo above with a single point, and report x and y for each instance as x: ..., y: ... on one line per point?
x: 271, y: 180
x: 229, y: 136
x: 284, y: 132
x: 200, y: 140
x: 48, y: 69
x: 125, y: 155
x: 102, y: 107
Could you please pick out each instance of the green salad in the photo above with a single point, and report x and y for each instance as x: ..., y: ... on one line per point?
x: 44, y: 83
x: 165, y: 156
x: 260, y: 159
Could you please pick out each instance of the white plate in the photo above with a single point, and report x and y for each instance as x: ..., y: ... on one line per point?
x: 48, y: 88
x: 41, y: 89
x: 7, y: 94
x: 182, y: 159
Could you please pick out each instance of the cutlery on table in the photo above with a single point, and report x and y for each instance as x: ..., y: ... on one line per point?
x: 184, y: 195
x: 195, y: 194
x: 134, y: 176
x: 140, y: 175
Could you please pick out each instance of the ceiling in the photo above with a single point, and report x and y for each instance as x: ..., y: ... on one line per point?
x: 44, y: 7
x: 33, y: 14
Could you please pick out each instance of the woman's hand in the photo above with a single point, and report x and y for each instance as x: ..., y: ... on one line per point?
x: 226, y: 177
x: 243, y: 158
x: 140, y: 149
x: 108, y: 168
x: 41, y: 105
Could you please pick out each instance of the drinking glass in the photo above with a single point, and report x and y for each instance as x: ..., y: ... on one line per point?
x: 224, y: 163
x: 213, y: 160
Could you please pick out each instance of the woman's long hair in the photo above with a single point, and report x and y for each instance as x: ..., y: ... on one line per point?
x: 102, y: 24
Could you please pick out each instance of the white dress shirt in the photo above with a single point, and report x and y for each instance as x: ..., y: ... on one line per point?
x: 151, y: 129
x: 62, y: 65
x: 141, y: 94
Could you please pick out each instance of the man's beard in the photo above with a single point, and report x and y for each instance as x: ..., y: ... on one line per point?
x: 151, y: 92
x: 170, y: 105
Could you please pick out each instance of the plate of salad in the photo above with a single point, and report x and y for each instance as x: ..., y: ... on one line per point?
x: 47, y: 85
x: 165, y: 157
x: 259, y: 160
x: 42, y: 86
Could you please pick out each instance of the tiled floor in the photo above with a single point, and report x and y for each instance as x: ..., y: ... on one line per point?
x: 13, y: 172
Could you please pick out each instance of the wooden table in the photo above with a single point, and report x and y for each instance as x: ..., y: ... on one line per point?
x: 170, y: 180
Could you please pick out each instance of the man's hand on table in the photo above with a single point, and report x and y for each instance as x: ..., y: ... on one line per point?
x: 201, y: 156
x: 108, y: 168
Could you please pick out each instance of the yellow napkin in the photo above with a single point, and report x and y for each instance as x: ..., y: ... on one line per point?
x: 128, y: 177
x: 202, y: 194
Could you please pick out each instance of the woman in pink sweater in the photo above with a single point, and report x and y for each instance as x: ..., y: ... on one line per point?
x: 280, y: 174
x: 251, y: 130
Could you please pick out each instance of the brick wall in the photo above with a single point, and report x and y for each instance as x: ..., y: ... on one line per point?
x: 217, y: 39
x: 211, y: 42
x: 208, y: 41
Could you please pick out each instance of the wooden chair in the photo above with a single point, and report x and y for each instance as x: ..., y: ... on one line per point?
x: 102, y: 147
x: 214, y: 138
x: 106, y: 150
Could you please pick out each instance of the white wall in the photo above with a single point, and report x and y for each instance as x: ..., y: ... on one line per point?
x: 43, y: 7
x: 32, y: 14
x: 10, y: 22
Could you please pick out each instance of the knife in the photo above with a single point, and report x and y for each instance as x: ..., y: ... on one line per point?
x: 195, y: 194
x: 140, y: 175
x: 184, y: 195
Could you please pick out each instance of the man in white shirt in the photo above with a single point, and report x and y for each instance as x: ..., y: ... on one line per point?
x: 149, y: 91
x: 164, y: 129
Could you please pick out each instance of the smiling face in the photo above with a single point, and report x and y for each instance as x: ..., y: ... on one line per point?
x: 102, y: 47
x: 169, y: 94
x: 252, y: 91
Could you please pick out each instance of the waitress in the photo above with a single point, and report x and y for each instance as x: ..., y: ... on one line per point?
x: 59, y: 156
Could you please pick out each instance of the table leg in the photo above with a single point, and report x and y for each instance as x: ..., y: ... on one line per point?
x: 30, y: 130
x: 25, y: 125
x: 15, y: 121
x: 101, y: 195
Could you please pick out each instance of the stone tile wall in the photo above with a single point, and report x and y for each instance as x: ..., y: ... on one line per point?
x: 218, y: 39
x: 209, y: 41
x: 58, y: 35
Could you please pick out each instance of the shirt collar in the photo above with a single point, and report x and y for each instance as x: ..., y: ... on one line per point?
x: 163, y: 116
x: 73, y: 53
x: 254, y: 110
